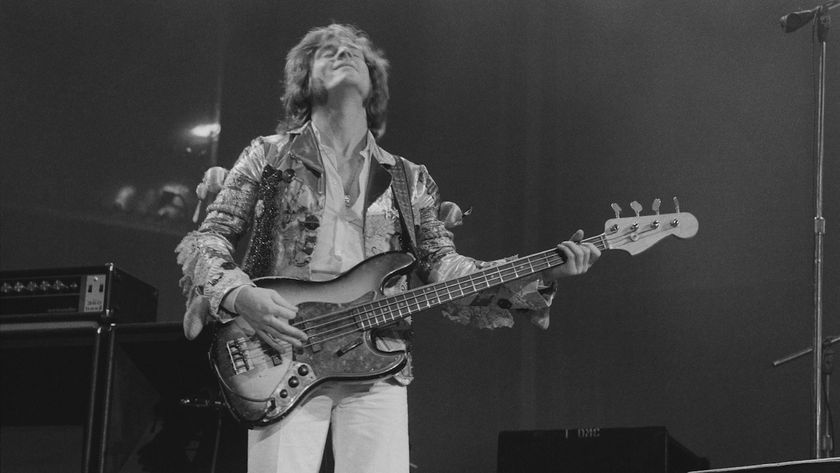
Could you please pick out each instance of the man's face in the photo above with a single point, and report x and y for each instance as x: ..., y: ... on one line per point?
x: 339, y: 63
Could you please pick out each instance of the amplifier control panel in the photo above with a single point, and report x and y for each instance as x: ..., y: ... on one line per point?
x: 103, y: 293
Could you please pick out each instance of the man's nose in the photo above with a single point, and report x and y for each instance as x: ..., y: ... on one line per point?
x: 343, y: 52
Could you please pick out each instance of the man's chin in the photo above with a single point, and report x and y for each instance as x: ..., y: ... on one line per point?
x: 345, y: 83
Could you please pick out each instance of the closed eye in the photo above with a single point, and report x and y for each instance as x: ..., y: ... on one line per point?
x: 330, y: 50
x: 326, y: 51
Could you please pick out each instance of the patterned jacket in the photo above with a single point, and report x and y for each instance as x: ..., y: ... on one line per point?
x: 274, y: 195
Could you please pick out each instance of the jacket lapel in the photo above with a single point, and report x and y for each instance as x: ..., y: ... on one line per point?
x: 379, y: 179
x: 305, y: 148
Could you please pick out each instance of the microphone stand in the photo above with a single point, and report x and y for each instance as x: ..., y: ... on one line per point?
x: 792, y: 22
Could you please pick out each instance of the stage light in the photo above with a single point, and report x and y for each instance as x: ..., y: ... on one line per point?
x: 208, y: 130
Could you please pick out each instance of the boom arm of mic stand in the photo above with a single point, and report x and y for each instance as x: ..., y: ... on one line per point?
x: 827, y: 343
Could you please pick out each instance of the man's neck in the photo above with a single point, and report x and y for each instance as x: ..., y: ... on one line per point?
x: 342, y: 126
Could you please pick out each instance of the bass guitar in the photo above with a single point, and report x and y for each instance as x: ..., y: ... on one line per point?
x: 261, y: 384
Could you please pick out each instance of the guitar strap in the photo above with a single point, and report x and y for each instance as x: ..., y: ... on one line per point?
x: 402, y: 193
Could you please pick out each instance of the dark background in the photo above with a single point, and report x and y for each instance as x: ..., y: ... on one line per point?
x: 536, y: 114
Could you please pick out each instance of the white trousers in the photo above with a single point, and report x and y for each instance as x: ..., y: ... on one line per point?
x: 369, y: 432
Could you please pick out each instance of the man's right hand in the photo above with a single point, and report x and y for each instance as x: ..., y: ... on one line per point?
x: 270, y: 315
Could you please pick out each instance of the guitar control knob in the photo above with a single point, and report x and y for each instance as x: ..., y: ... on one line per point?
x: 293, y: 382
x: 303, y: 370
x: 284, y: 394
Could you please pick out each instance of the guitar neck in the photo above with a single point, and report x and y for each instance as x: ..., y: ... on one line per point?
x: 390, y: 309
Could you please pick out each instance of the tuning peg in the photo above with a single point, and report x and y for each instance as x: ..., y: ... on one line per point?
x: 616, y: 209
x: 655, y: 207
x: 637, y: 207
x: 675, y: 222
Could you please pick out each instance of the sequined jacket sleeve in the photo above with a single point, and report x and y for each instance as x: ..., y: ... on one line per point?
x: 206, y: 255
x: 439, y: 261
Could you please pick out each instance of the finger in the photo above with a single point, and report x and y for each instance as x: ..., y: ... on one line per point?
x: 577, y: 236
x: 582, y: 254
x: 282, y: 302
x: 594, y: 249
x: 276, y: 341
x: 594, y: 252
x: 284, y: 328
x: 280, y: 337
x: 282, y: 313
x: 568, y: 250
x: 576, y: 250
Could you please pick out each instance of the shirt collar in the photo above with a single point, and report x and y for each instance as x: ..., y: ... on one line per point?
x: 371, y: 149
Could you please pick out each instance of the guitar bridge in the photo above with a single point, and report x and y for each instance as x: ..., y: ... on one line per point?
x: 247, y: 354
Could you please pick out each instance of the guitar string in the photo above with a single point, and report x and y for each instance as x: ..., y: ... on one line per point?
x: 353, y: 325
x: 421, y: 297
x: 403, y: 300
x: 600, y: 242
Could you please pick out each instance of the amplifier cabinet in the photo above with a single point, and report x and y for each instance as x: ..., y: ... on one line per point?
x: 96, y: 293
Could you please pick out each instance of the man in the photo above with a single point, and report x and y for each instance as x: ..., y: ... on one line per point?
x: 320, y: 197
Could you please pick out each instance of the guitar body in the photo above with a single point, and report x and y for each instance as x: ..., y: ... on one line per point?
x: 262, y: 384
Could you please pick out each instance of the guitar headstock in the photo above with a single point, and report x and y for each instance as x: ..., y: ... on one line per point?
x: 636, y: 234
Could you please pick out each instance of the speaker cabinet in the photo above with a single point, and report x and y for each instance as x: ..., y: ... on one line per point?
x: 113, y: 399
x: 163, y: 412
x: 47, y: 401
x: 595, y: 450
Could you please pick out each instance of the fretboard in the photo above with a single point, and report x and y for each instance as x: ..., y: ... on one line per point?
x: 390, y: 309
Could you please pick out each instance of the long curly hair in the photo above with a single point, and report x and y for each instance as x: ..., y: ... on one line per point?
x: 298, y: 96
